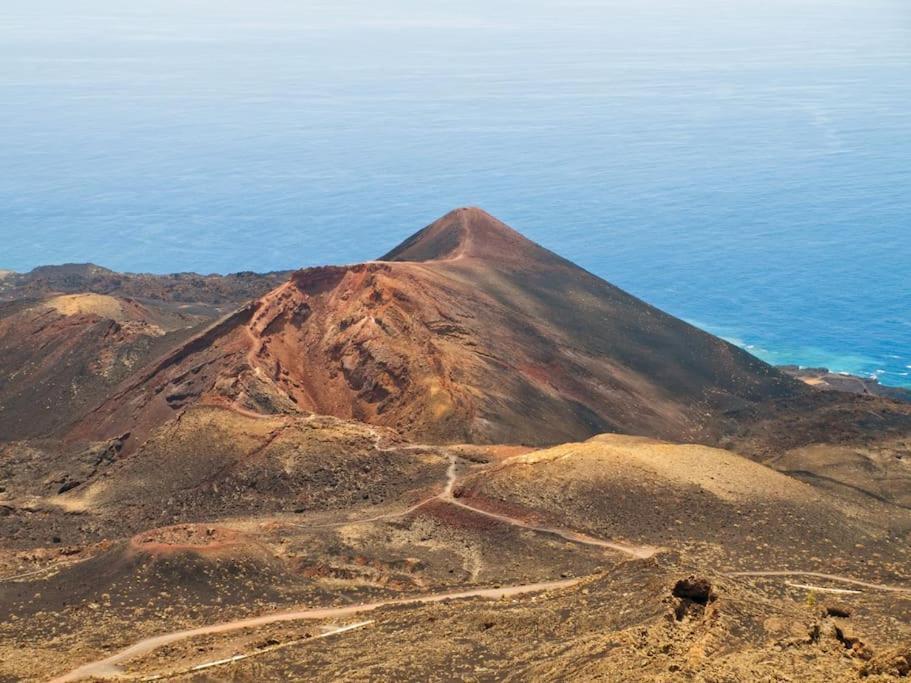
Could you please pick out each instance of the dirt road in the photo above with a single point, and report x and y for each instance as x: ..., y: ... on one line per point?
x: 108, y: 667
x: 830, y: 577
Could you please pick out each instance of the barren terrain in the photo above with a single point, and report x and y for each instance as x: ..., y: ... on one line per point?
x: 467, y: 460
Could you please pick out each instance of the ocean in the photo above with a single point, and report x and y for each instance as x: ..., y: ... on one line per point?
x: 743, y: 165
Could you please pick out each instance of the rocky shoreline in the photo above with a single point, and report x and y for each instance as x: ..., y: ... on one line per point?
x: 825, y: 379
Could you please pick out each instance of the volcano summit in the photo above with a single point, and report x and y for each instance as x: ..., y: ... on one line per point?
x: 466, y: 332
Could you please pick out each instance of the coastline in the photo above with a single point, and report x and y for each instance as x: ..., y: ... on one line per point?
x: 878, y: 371
x: 825, y: 379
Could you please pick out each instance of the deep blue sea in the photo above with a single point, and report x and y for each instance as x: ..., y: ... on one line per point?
x: 745, y: 164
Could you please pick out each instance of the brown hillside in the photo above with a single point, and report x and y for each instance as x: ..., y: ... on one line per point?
x: 465, y: 332
x: 62, y: 355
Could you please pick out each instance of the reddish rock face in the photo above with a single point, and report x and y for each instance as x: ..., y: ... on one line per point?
x: 466, y: 332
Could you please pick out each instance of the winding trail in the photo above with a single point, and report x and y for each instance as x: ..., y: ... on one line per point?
x: 638, y: 552
x: 236, y: 408
x: 108, y: 666
x: 823, y: 589
x: 367, y: 520
x: 260, y: 651
x: 447, y: 491
x: 820, y: 575
x: 45, y: 569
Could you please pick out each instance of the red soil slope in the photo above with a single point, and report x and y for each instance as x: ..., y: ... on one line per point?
x: 466, y: 332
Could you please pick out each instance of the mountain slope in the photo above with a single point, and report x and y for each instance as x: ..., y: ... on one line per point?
x: 70, y: 334
x: 61, y: 355
x: 465, y: 332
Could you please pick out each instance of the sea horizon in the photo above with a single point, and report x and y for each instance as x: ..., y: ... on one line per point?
x: 744, y: 167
